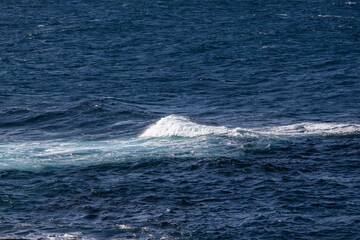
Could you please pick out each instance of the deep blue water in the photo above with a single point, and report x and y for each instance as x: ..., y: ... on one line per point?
x: 197, y: 119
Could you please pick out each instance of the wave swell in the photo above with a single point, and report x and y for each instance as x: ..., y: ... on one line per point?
x: 171, y: 136
x: 174, y: 125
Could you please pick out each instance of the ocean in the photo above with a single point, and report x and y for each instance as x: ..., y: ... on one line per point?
x: 174, y: 119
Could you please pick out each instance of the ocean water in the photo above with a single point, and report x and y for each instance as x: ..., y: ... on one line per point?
x: 197, y: 119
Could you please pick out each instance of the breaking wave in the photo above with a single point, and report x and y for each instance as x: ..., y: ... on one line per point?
x: 171, y: 136
x: 181, y: 126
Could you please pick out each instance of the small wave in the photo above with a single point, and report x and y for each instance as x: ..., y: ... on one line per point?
x: 180, y: 126
x: 174, y: 125
x: 171, y: 136
x: 308, y: 129
x: 51, y: 236
x: 333, y: 16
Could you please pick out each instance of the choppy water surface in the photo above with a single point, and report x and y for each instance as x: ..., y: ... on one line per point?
x: 180, y: 119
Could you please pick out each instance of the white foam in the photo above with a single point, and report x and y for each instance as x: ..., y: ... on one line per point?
x: 57, y: 236
x: 308, y: 129
x: 171, y: 136
x: 175, y: 125
x: 333, y: 16
x: 124, y: 226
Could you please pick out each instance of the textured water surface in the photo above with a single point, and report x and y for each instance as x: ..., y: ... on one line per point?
x: 180, y: 119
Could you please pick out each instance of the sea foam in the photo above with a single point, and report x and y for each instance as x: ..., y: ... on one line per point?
x: 171, y: 136
x: 174, y: 125
x: 310, y: 129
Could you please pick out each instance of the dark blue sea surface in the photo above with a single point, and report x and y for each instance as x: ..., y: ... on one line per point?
x: 197, y: 119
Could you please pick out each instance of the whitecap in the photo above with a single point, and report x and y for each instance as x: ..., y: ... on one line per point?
x: 181, y: 126
x: 171, y: 136
x: 309, y: 128
x: 175, y: 125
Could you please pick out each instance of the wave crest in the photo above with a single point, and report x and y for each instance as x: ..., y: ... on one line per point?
x: 157, y: 140
x: 174, y: 125
x: 310, y: 129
